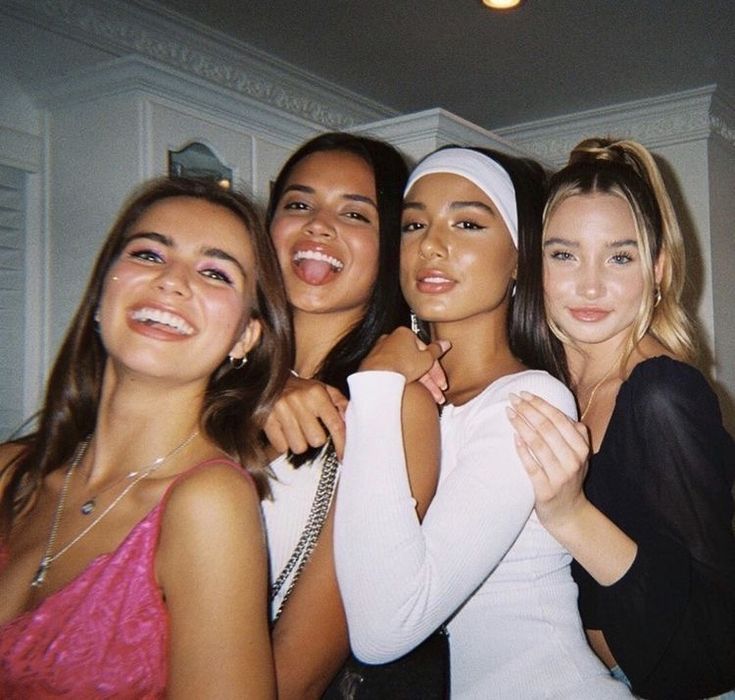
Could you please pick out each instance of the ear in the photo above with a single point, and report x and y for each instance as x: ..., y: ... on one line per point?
x: 249, y: 338
x: 659, y: 266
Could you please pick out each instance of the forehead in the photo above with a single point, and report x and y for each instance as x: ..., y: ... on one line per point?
x: 334, y: 170
x: 587, y: 215
x: 447, y: 187
x: 196, y: 222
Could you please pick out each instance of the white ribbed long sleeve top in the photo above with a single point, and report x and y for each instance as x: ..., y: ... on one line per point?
x: 480, y: 560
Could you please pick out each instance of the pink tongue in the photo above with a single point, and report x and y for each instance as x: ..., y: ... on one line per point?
x: 314, y: 271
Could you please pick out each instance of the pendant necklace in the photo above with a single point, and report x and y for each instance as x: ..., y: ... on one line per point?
x: 599, y: 384
x: 91, y: 503
x: 47, y: 559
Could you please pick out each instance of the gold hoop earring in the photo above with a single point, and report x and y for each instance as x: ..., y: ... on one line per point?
x: 657, y: 297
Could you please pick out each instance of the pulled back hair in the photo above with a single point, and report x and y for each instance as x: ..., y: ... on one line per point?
x: 528, y: 334
x: 235, y: 404
x: 626, y: 169
x: 386, y: 309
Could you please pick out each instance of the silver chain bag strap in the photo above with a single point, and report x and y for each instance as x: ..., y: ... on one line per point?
x: 315, y: 522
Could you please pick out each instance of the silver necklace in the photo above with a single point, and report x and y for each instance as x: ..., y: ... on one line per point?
x: 47, y: 559
x: 91, y: 503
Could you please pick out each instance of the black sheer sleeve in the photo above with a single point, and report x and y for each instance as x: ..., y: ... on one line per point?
x: 670, y: 620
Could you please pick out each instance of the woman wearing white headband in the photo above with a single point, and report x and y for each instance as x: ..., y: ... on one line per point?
x: 480, y: 560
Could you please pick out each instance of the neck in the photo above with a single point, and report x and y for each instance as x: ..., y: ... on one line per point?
x: 479, y: 355
x: 316, y: 334
x: 138, y: 422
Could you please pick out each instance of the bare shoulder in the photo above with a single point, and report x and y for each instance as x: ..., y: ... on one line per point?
x: 210, y: 494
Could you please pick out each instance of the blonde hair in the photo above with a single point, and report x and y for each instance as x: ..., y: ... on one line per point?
x: 627, y: 170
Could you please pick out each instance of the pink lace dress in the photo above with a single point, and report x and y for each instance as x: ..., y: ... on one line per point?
x: 104, y: 634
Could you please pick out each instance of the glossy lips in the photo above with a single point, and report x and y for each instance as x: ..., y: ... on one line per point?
x: 433, y: 282
x: 589, y: 314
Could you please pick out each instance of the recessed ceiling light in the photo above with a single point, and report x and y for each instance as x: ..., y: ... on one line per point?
x: 501, y: 4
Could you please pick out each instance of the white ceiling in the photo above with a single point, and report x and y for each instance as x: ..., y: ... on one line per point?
x: 548, y: 57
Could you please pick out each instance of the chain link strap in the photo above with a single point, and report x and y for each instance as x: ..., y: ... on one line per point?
x: 315, y: 522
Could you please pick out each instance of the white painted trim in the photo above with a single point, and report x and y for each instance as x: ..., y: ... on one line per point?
x: 189, y: 93
x: 657, y: 122
x: 20, y: 150
x: 144, y: 28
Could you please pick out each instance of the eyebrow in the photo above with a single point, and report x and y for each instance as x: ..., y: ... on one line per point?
x: 169, y: 242
x: 350, y: 196
x: 556, y: 240
x: 453, y: 205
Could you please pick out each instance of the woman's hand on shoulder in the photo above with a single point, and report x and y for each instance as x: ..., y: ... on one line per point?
x: 306, y: 414
x: 402, y: 352
x: 554, y: 450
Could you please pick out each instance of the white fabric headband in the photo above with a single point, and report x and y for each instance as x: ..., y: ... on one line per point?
x: 482, y: 171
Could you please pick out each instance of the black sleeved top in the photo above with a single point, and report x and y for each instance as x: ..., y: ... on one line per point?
x: 664, y: 474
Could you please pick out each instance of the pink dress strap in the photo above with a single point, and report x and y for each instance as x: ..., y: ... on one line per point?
x: 104, y: 634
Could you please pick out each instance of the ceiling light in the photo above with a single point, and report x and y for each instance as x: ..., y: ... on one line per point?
x: 501, y: 4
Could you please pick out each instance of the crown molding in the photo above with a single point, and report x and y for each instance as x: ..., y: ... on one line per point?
x: 143, y: 28
x: 437, y: 127
x: 656, y: 122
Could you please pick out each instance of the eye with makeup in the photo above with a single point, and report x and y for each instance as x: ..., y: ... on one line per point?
x: 358, y: 216
x: 622, y: 258
x: 469, y: 225
x: 560, y: 254
x: 411, y: 225
x: 217, y: 275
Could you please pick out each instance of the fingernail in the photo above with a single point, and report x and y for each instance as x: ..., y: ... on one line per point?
x: 514, y: 399
x: 527, y: 395
x: 444, y: 345
x: 510, y: 413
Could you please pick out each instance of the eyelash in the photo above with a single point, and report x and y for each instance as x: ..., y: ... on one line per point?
x: 469, y: 225
x: 562, y: 255
x: 152, y: 256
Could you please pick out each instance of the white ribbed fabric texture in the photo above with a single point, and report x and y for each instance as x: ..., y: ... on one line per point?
x: 480, y: 557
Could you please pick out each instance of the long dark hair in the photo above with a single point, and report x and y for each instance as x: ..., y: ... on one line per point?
x: 235, y: 402
x: 386, y: 309
x: 529, y: 336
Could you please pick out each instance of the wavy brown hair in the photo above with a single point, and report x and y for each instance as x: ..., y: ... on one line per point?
x: 236, y: 403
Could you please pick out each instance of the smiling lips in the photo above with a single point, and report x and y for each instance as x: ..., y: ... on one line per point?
x: 164, y: 320
x: 588, y: 314
x: 316, y: 267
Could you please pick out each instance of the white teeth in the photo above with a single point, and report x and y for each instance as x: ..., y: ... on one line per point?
x: 165, y: 318
x: 435, y: 280
x: 321, y: 257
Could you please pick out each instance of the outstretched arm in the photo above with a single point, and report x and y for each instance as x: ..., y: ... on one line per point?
x: 212, y: 568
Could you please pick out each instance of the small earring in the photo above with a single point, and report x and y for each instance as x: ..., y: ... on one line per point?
x: 415, y: 324
x: 513, y: 288
x: 657, y: 297
x: 237, y: 362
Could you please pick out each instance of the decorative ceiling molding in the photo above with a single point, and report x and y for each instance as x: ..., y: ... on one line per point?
x: 145, y: 29
x: 656, y: 123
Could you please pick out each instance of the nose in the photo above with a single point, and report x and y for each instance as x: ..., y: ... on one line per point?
x: 432, y: 244
x: 590, y: 282
x: 321, y: 225
x: 174, y: 279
